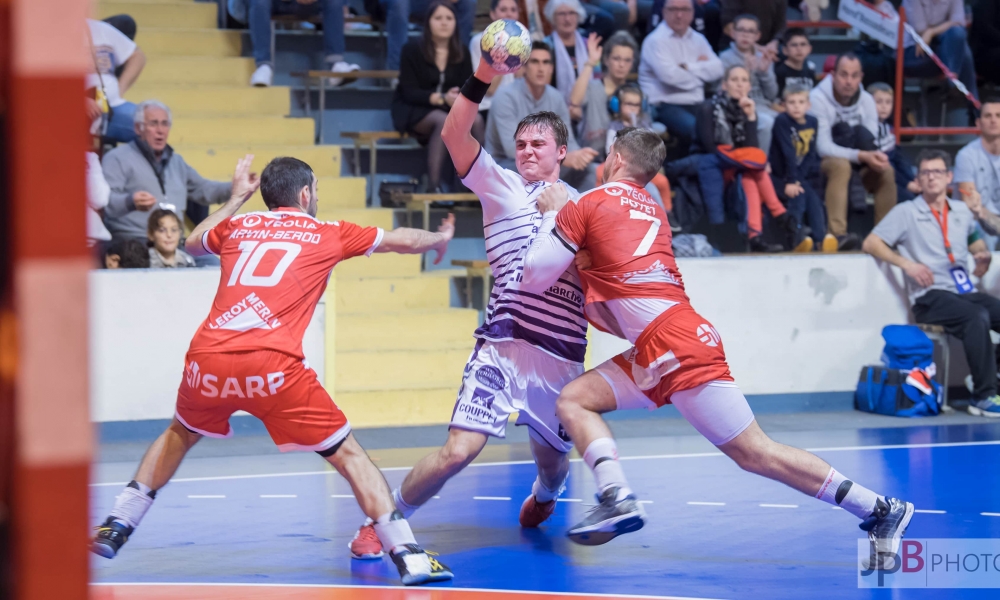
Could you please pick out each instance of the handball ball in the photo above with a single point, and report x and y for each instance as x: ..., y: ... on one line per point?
x: 506, y: 45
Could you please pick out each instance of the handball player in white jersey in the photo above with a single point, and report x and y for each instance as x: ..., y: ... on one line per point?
x: 634, y: 290
x: 530, y: 344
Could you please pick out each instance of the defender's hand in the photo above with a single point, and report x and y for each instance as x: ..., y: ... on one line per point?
x: 553, y: 198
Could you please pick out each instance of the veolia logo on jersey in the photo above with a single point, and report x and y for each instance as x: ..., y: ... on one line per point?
x: 251, y: 221
x: 708, y: 335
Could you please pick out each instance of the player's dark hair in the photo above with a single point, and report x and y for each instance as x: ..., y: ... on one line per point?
x: 793, y: 32
x: 931, y: 154
x: 846, y: 56
x: 747, y: 17
x: 282, y: 179
x: 545, y: 120
x: 539, y: 45
x: 131, y: 253
x: 643, y: 150
x: 154, y: 221
x: 989, y: 99
x: 456, y: 50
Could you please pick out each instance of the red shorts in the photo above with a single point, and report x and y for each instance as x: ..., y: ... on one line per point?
x: 680, y: 350
x: 278, y: 389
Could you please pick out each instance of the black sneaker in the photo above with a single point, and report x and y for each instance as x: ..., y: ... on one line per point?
x: 758, y: 245
x: 609, y: 519
x: 417, y: 567
x: 885, y: 527
x: 110, y: 537
x: 848, y: 242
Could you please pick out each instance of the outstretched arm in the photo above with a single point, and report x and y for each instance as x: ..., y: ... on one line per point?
x: 404, y: 240
x: 245, y: 184
x: 457, y: 130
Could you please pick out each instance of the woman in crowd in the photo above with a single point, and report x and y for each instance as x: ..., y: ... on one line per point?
x: 588, y: 102
x: 726, y: 137
x: 499, y: 9
x: 432, y: 70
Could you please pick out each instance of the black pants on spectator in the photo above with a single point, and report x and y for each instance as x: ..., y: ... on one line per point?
x: 969, y: 317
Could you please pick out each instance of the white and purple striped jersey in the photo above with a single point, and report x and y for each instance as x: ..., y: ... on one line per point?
x: 552, y: 321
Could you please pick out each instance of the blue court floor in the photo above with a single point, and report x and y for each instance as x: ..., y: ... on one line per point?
x: 713, y: 532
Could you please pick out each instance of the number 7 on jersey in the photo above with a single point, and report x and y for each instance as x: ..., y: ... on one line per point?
x: 647, y: 240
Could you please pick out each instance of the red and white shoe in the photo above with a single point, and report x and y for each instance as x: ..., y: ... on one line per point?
x: 366, y: 545
x: 534, y: 513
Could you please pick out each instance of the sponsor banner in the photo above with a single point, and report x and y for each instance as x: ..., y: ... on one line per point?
x: 862, y: 16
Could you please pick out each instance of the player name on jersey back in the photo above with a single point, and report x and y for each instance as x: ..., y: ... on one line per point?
x: 552, y: 321
x: 275, y: 267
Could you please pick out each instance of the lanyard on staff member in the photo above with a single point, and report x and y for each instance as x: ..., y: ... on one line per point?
x: 958, y: 273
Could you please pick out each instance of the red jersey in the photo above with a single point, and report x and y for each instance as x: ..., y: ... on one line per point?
x: 275, y: 267
x: 628, y: 237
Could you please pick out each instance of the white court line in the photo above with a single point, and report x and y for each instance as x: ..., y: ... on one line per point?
x: 837, y: 508
x: 436, y: 590
x: 204, y: 496
x: 930, y: 512
x: 531, y: 462
x: 778, y: 505
x: 645, y: 501
x: 707, y: 503
x: 989, y: 514
x: 491, y: 497
x: 569, y: 500
x: 278, y: 496
x: 342, y: 496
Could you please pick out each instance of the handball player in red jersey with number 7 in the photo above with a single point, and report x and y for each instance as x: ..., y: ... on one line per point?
x: 247, y: 355
x: 633, y: 289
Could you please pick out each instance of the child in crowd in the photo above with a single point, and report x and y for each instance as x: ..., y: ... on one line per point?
x: 796, y: 69
x: 626, y: 106
x: 763, y: 83
x: 164, y: 231
x: 126, y: 254
x: 907, y: 187
x: 795, y: 167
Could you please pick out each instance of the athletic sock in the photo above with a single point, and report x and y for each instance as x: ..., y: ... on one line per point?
x: 401, y: 505
x: 841, y: 491
x: 543, y: 494
x: 602, y: 458
x: 394, y: 531
x: 131, y: 505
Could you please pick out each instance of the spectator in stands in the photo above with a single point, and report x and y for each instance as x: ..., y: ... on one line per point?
x: 796, y: 69
x: 848, y: 125
x: 531, y: 94
x: 726, y: 131
x: 146, y: 173
x: 795, y: 167
x: 569, y: 47
x: 878, y: 61
x: 941, y: 24
x: 676, y: 64
x: 977, y: 166
x: 165, y: 230
x: 907, y: 185
x: 628, y: 105
x: 744, y: 52
x: 936, y: 278
x: 259, y: 17
x: 399, y: 12
x: 109, y: 112
x: 812, y: 10
x: 771, y: 21
x: 431, y: 72
x: 499, y: 9
x: 983, y: 39
x: 707, y: 15
x: 126, y: 253
x: 97, y: 198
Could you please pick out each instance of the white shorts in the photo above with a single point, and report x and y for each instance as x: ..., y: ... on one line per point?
x: 506, y: 377
x: 717, y: 409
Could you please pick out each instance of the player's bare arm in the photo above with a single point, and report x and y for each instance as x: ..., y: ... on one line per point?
x: 457, y: 130
x: 404, y: 240
x: 245, y: 184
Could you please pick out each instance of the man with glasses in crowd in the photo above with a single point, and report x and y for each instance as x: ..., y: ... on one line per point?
x: 935, y: 237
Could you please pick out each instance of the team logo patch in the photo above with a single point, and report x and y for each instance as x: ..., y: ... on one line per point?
x: 613, y: 191
x: 708, y: 335
x: 562, y: 434
x: 251, y: 221
x: 491, y: 377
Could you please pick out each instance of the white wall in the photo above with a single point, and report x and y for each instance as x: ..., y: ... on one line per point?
x: 141, y: 323
x: 794, y: 323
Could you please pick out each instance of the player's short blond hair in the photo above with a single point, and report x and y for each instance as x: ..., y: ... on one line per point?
x: 643, y: 152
